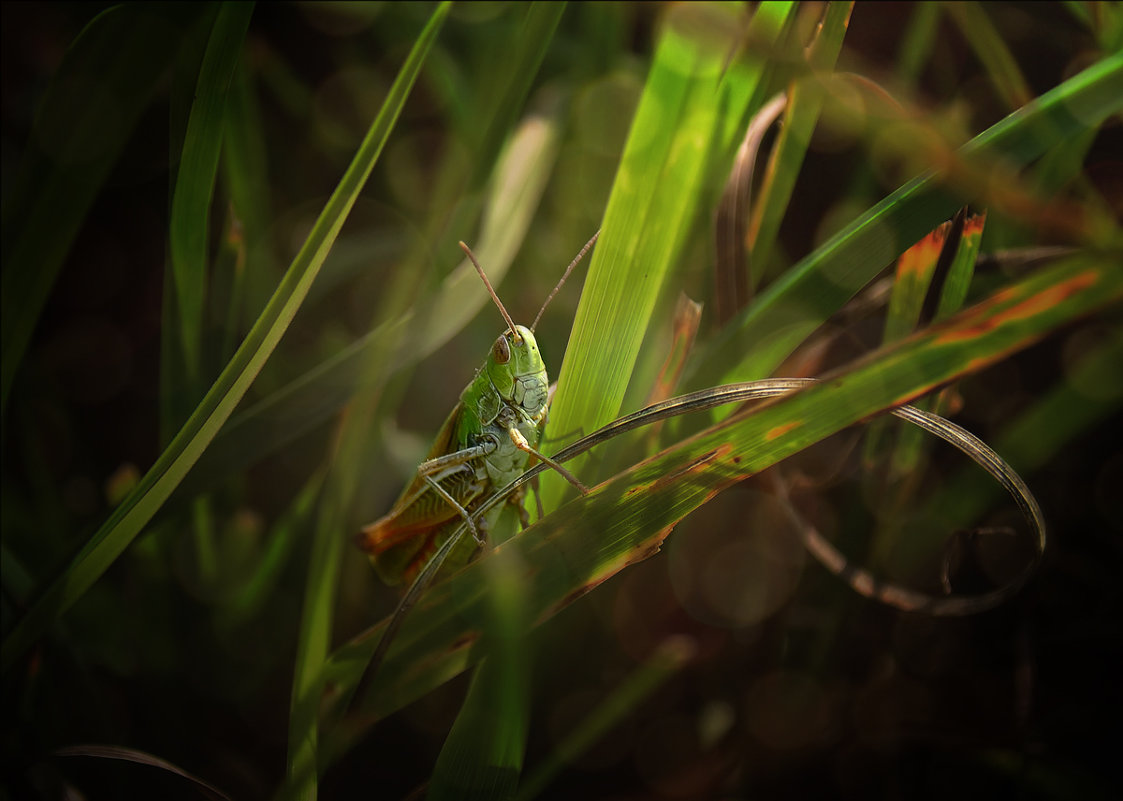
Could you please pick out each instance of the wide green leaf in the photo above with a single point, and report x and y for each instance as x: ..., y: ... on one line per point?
x: 684, y: 115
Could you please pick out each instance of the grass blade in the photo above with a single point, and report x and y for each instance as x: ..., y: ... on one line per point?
x: 1092, y: 393
x: 186, y: 285
x: 519, y: 182
x: 626, y: 518
x: 154, y: 488
x: 788, y: 152
x: 329, y: 541
x: 482, y: 756
x: 194, y: 186
x: 790, y: 309
x: 660, y: 181
x: 991, y: 50
x: 669, y: 658
x: 245, y: 177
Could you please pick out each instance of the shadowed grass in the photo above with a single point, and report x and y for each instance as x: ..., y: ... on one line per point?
x: 143, y: 502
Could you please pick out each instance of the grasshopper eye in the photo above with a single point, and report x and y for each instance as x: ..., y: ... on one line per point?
x: 501, y: 350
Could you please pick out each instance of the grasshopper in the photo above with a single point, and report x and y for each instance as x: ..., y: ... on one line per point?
x: 484, y: 444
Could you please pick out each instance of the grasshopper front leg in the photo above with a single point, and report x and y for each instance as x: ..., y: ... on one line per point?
x: 508, y: 419
x: 520, y: 442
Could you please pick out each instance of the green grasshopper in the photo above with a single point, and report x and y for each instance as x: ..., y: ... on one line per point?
x: 484, y: 444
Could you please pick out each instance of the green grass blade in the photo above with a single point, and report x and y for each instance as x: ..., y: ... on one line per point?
x: 626, y: 518
x: 991, y: 50
x: 658, y: 187
x: 1108, y: 26
x: 142, y: 503
x: 244, y: 173
x: 254, y: 590
x: 504, y: 97
x: 519, y: 182
x: 919, y: 38
x: 756, y: 341
x: 910, y: 285
x: 954, y: 291
x: 917, y: 298
x: 187, y: 284
x: 329, y: 540
x: 1092, y: 392
x: 482, y: 756
x: 913, y: 274
x: 318, y: 612
x: 790, y: 148
x: 105, y: 82
x: 667, y: 660
x: 195, y: 181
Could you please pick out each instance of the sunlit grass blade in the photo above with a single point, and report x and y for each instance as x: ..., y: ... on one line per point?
x: 106, y: 80
x: 658, y: 186
x: 626, y: 518
x: 143, y: 502
x: 783, y: 316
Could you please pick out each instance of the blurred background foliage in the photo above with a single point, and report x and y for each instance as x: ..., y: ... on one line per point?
x: 727, y: 666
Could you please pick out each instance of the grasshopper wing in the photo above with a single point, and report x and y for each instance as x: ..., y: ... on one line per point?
x: 399, y: 542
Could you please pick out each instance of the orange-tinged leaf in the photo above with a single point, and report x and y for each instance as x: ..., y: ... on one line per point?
x: 920, y: 259
x: 779, y: 431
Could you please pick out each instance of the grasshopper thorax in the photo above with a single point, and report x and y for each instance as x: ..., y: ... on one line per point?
x: 516, y: 370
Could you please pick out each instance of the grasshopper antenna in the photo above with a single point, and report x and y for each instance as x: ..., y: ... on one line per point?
x: 491, y: 291
x: 565, y: 275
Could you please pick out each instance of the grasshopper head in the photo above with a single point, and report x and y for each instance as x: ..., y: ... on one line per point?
x: 517, y: 371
